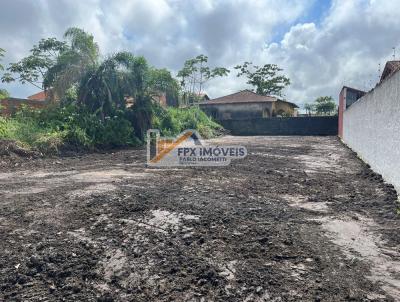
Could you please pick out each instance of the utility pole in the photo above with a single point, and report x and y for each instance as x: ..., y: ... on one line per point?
x: 394, y: 53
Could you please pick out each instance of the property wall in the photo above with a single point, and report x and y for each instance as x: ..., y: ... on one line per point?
x: 316, y: 125
x: 371, y: 127
x: 9, y: 106
x: 347, y: 97
x: 341, y: 110
x: 238, y: 111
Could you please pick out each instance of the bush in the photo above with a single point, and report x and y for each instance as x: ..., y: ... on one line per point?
x: 172, y: 121
x: 48, y: 130
x: 77, y: 138
x: 50, y: 143
x: 115, y: 132
x: 51, y: 129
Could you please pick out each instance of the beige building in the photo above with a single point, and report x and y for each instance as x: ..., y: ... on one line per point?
x: 247, y: 104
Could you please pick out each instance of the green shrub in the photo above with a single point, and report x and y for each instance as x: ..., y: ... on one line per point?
x: 115, y: 132
x: 77, y: 137
x: 49, y: 143
x: 172, y: 121
x: 5, y: 128
x: 48, y: 130
x: 26, y: 131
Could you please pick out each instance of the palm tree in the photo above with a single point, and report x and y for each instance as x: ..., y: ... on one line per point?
x: 104, y: 88
x: 81, y: 55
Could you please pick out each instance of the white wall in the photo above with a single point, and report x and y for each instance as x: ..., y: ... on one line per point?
x: 371, y: 127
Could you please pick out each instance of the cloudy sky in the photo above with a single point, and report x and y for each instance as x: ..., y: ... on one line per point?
x: 320, y: 44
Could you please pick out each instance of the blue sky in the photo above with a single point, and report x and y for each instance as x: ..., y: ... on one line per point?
x: 321, y: 45
x: 314, y: 12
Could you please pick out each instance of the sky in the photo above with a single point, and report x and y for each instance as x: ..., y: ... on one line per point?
x: 321, y: 45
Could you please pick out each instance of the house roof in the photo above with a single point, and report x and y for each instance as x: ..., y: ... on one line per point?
x: 244, y: 96
x: 290, y: 103
x: 40, y: 96
x: 390, y: 68
x: 354, y: 89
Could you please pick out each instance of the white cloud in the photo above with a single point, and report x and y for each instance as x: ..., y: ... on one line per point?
x: 344, y: 47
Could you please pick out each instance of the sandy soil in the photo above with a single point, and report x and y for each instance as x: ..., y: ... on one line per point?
x: 299, y: 219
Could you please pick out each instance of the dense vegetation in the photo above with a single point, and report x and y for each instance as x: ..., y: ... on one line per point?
x: 175, y: 120
x: 3, y: 92
x: 68, y: 127
x: 97, y: 103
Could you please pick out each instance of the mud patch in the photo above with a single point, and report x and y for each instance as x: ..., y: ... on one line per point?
x: 228, y: 270
x: 164, y: 221
x: 358, y: 241
x: 238, y: 233
x: 106, y: 175
x: 25, y: 191
x: 115, y: 265
x: 92, y: 190
x: 302, y: 202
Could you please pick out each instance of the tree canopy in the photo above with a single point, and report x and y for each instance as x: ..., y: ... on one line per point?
x: 80, y: 54
x: 162, y: 81
x: 265, y: 79
x: 325, y: 105
x: 1, y: 57
x: 93, y: 90
x: 3, y: 93
x: 195, y: 73
x: 33, y: 68
x: 309, y: 108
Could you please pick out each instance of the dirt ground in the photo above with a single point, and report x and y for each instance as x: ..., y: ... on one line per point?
x: 299, y: 219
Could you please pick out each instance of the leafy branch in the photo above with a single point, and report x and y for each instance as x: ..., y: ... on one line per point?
x: 265, y: 79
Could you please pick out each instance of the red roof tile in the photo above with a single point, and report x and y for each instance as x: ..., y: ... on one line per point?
x: 244, y: 96
x: 40, y: 96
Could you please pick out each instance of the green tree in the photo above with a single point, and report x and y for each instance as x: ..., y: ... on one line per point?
x: 141, y: 115
x: 309, y: 108
x: 104, y: 88
x: 81, y: 54
x: 56, y: 64
x: 2, y: 51
x: 325, y: 105
x: 73, y: 71
x: 265, y: 79
x: 195, y: 74
x: 3, y: 93
x: 33, y: 68
x: 161, y: 81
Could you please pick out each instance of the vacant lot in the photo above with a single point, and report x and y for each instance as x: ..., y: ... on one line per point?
x: 300, y: 219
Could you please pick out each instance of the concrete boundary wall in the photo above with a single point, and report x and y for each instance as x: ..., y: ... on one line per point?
x: 371, y: 127
x: 9, y: 106
x: 318, y: 125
